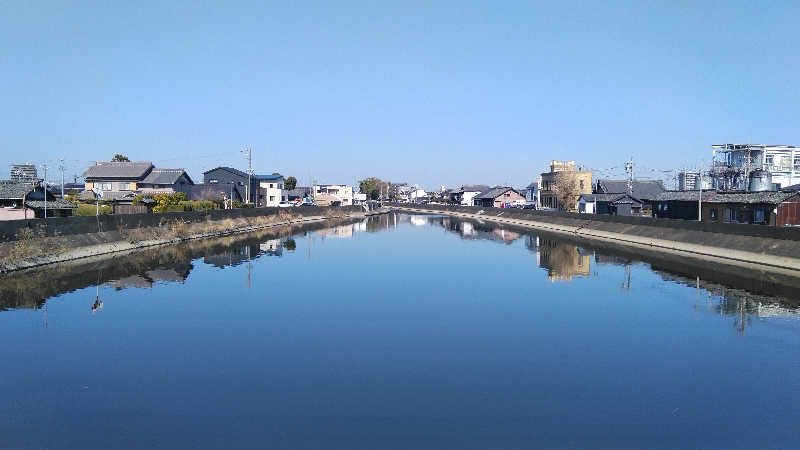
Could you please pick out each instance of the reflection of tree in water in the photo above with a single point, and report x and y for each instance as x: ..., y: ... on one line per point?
x: 290, y: 244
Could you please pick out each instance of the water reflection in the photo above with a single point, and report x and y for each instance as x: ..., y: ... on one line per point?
x: 730, y: 292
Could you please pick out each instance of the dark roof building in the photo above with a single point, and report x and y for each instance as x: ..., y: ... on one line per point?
x: 298, y: 192
x: 228, y: 175
x: 212, y: 192
x: 765, y: 207
x: 642, y: 189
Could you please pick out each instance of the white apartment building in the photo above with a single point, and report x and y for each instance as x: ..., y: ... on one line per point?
x: 271, y: 190
x: 332, y: 194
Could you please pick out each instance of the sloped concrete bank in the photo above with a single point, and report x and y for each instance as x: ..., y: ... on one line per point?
x: 52, y: 249
x: 753, y: 246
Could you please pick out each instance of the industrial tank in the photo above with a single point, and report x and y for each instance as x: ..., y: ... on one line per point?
x: 760, y: 180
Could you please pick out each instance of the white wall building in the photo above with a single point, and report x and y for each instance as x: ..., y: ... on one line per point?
x: 270, y: 190
x: 332, y: 194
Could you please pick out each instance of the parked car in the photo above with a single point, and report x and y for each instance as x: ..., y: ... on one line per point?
x: 285, y: 204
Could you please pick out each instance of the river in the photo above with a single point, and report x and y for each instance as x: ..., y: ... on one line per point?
x: 400, y: 331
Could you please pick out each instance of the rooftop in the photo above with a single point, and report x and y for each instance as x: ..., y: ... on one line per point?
x: 131, y: 170
x: 164, y: 176
x: 495, y: 192
x: 643, y: 189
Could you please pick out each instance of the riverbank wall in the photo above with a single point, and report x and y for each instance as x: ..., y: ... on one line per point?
x: 764, y: 247
x: 32, y: 243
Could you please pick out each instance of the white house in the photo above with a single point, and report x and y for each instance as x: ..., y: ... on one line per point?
x: 271, y: 190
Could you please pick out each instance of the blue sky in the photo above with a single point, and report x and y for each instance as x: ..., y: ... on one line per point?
x: 434, y: 93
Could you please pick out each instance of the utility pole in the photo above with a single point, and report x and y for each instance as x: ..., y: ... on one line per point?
x: 44, y: 167
x: 61, y: 166
x: 629, y: 170
x: 249, y: 152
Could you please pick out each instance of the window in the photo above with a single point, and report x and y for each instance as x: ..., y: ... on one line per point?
x: 272, y: 198
x: 104, y: 186
x: 213, y: 181
x: 769, y: 160
x: 271, y: 185
x: 280, y: 186
x: 797, y: 163
x: 713, y: 213
x: 759, y: 215
x: 581, y: 184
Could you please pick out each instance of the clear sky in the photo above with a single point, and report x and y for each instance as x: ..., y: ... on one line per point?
x: 434, y: 93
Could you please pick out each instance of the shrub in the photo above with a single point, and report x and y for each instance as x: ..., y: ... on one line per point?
x: 89, y: 209
x: 169, y: 202
x: 198, y: 205
x: 138, y: 200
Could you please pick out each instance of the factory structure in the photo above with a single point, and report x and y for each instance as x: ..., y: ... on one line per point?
x: 751, y: 168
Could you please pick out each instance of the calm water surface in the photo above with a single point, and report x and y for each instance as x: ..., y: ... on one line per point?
x: 399, y: 332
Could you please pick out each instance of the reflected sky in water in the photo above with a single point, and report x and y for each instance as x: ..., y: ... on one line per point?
x: 402, y: 331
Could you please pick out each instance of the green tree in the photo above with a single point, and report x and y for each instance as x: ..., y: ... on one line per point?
x: 371, y: 186
x: 120, y: 158
x: 290, y: 183
x: 290, y: 245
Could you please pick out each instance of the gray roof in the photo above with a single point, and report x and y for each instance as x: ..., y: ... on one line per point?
x: 600, y: 197
x: 229, y: 169
x: 474, y: 188
x: 494, y: 193
x: 667, y: 196
x: 12, y: 189
x: 643, y: 189
x: 51, y: 204
x: 127, y: 170
x: 770, y: 197
x: 165, y: 176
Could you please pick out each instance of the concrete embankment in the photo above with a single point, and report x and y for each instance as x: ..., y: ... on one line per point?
x: 25, y: 244
x: 755, y: 246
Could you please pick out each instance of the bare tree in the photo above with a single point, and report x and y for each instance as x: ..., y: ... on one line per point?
x: 565, y: 189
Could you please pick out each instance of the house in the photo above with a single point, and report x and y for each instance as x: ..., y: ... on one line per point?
x: 37, y: 201
x: 498, y: 197
x: 271, y: 190
x: 563, y: 175
x: 614, y: 204
x: 246, y: 186
x: 164, y: 181
x: 466, y: 193
x: 121, y: 181
x: 774, y: 208
x: 643, y: 190
x: 332, y: 194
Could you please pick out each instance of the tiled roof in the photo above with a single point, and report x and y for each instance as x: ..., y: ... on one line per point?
x: 667, y: 196
x: 229, y: 169
x: 164, y: 176
x: 474, y: 188
x: 12, y: 189
x: 643, y: 189
x: 600, y: 197
x: 51, y: 204
x: 128, y: 170
x: 770, y: 197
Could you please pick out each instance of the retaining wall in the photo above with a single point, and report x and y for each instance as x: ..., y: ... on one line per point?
x: 595, y: 220
x: 65, y: 226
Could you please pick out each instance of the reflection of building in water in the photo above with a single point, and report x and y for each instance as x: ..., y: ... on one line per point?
x: 271, y: 247
x: 174, y: 274
x: 418, y: 221
x: 475, y: 230
x: 341, y: 231
x: 734, y: 302
x: 562, y: 260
